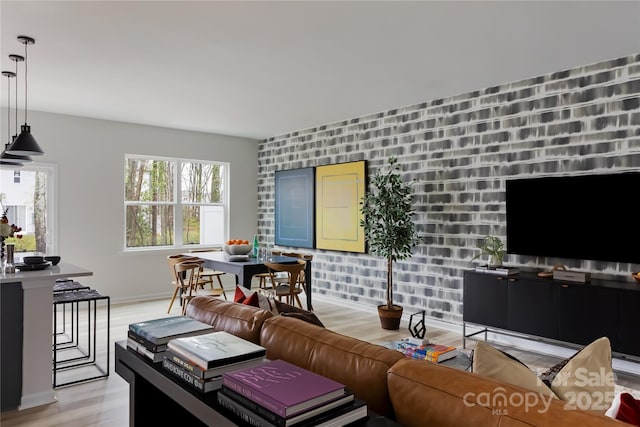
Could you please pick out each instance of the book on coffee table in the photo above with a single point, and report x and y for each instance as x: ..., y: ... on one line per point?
x: 431, y: 352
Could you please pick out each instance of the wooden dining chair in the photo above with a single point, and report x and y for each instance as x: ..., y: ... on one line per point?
x: 174, y: 260
x: 262, y: 277
x: 189, y: 282
x: 209, y: 274
x: 291, y: 289
x: 301, y: 277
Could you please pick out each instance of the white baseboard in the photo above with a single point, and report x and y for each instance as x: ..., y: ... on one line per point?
x: 37, y: 399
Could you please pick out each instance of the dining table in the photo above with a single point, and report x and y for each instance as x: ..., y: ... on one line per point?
x: 245, y: 268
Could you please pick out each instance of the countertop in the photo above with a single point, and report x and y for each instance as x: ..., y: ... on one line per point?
x: 54, y: 272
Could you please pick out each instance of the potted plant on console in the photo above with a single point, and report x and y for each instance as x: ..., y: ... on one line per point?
x: 494, y: 247
x: 389, y: 229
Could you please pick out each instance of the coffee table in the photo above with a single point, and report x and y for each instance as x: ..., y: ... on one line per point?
x: 461, y: 361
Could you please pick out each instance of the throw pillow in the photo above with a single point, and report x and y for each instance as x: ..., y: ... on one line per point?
x: 498, y: 365
x: 586, y: 379
x: 298, y: 313
x: 625, y: 408
x: 253, y: 298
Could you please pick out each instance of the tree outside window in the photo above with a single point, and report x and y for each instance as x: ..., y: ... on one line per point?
x: 27, y: 195
x: 174, y: 202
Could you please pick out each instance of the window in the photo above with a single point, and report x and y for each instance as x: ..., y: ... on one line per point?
x: 174, y: 202
x: 28, y: 197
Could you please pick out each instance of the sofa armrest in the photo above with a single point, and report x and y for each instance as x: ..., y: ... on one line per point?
x: 425, y: 393
x: 240, y: 320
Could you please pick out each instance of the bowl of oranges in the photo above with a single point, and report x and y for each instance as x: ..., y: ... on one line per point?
x: 237, y: 247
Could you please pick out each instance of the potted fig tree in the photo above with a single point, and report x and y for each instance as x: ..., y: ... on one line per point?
x: 389, y: 229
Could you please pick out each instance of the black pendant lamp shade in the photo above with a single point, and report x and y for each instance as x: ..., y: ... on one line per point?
x: 5, y: 158
x: 25, y: 144
x: 9, y: 159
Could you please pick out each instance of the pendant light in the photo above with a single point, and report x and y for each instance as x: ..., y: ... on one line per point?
x: 5, y: 157
x: 25, y: 144
x: 9, y: 159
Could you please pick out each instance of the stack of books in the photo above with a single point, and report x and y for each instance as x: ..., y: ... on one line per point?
x: 428, y: 351
x: 280, y: 394
x: 150, y: 338
x: 500, y: 271
x: 200, y: 360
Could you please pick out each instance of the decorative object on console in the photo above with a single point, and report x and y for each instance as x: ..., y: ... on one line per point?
x: 550, y: 273
x: 389, y: 230
x: 25, y: 144
x: 494, y: 247
x: 636, y: 276
x: 499, y: 271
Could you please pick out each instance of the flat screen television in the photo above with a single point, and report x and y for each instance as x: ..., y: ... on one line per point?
x: 584, y: 217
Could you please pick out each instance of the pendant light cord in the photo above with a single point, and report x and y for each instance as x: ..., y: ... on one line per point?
x: 8, y: 109
x: 16, y: 95
x: 25, y: 84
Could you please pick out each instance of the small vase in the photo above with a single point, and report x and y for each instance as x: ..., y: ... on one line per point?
x: 495, y: 261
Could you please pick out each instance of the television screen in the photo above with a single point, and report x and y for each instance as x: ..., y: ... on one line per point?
x: 585, y: 217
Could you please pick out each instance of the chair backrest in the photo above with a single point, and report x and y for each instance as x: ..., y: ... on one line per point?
x: 173, y: 260
x: 306, y: 257
x: 294, y: 270
x: 187, y: 274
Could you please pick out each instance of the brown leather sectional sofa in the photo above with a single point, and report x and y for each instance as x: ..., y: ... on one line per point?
x: 412, y: 392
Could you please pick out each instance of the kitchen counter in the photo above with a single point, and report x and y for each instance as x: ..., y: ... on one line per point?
x: 27, y: 306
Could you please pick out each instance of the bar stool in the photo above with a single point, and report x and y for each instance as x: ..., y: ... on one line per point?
x: 82, y: 357
x: 67, y: 285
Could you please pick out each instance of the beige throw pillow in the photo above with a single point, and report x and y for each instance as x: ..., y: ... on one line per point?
x: 584, y: 381
x: 587, y: 381
x: 493, y: 363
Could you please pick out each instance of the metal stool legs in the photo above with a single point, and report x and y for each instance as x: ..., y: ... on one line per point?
x: 82, y: 357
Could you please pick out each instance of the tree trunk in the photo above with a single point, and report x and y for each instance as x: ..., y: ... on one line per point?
x: 389, y: 282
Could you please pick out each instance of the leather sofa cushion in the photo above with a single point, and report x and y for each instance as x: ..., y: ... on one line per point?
x: 424, y: 393
x: 241, y: 320
x: 357, y: 364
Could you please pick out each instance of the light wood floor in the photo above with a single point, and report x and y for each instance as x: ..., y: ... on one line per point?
x: 105, y: 402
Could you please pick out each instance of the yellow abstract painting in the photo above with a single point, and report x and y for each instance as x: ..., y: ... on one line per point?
x: 339, y: 191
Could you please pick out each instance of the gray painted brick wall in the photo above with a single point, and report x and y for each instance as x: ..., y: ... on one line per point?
x: 461, y: 149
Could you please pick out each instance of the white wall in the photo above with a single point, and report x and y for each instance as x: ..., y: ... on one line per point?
x: 90, y: 158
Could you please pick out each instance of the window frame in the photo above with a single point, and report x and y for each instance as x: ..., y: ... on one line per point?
x: 177, y: 203
x: 51, y: 171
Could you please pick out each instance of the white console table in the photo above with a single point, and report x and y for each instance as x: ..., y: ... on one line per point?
x: 37, y: 314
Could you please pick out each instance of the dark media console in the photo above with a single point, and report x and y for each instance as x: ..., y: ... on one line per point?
x: 575, y: 313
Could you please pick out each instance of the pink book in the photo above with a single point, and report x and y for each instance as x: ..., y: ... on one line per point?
x: 282, y: 387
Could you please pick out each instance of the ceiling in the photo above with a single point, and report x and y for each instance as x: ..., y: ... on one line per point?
x: 261, y: 69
